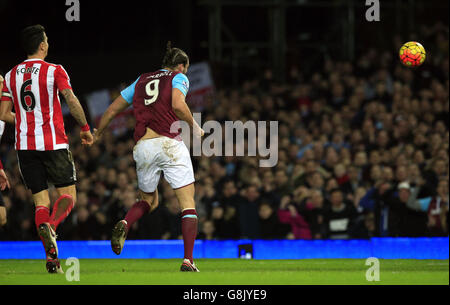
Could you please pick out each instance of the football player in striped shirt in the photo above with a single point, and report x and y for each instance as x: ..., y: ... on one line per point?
x: 32, y: 88
x: 4, y: 182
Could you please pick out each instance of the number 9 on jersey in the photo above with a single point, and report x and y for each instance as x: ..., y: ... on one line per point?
x: 152, y: 91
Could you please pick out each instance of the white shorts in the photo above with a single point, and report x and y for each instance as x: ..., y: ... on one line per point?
x: 162, y: 154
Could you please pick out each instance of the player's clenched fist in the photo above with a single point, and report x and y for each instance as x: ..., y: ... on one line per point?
x: 96, y: 135
x: 86, y: 138
x: 197, y: 130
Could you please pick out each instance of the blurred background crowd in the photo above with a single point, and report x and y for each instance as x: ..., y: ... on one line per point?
x: 362, y: 152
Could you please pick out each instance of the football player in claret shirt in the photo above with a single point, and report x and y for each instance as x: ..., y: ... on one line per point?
x: 32, y: 88
x: 158, y: 100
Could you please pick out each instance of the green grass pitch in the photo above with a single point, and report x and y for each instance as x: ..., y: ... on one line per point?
x: 229, y: 272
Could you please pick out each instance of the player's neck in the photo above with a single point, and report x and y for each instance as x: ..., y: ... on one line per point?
x: 172, y: 70
x: 36, y: 56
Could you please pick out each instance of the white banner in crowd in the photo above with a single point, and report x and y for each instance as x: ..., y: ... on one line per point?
x: 97, y: 103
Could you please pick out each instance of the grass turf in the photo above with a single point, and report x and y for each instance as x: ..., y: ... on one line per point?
x: 229, y: 272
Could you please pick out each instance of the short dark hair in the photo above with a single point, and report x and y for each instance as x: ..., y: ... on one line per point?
x: 31, y: 37
x: 174, y: 57
x: 335, y: 190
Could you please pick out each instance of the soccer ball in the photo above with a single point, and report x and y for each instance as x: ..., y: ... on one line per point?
x: 412, y: 54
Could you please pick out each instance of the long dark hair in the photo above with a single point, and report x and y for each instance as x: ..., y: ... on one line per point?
x: 174, y: 57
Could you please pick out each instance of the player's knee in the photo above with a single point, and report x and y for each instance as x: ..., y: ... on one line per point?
x: 73, y: 193
x: 154, y: 204
x: 74, y: 198
x: 150, y: 199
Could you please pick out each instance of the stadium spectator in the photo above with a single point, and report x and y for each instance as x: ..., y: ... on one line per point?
x: 313, y: 210
x: 339, y: 217
x: 225, y: 221
x: 269, y: 223
x: 438, y: 211
x: 403, y: 220
x: 208, y: 231
x: 288, y: 214
x: 248, y: 206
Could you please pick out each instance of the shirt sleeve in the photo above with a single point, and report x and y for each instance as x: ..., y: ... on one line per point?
x: 62, y: 79
x: 425, y: 203
x: 128, y: 92
x: 2, y: 128
x: 181, y: 82
x: 5, y: 94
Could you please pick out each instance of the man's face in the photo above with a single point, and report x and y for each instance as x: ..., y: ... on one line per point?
x: 336, y: 198
x: 442, y: 188
x: 439, y: 167
x: 317, y: 199
x: 280, y: 177
x: 265, y: 211
x: 229, y: 189
x: 403, y: 194
x: 252, y: 193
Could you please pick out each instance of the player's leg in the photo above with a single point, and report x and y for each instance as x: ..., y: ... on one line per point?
x: 2, y: 212
x: 60, y: 170
x: 148, y: 174
x: 189, y: 224
x: 3, y: 218
x: 42, y: 217
x: 63, y: 205
x: 34, y: 177
x: 146, y: 204
x: 179, y: 174
x: 45, y: 231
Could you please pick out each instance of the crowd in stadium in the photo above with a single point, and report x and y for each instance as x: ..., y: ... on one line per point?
x: 363, y: 152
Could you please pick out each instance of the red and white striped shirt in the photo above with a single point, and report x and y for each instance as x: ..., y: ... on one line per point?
x: 33, y: 86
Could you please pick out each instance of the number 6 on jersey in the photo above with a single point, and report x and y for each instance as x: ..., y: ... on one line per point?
x: 152, y: 91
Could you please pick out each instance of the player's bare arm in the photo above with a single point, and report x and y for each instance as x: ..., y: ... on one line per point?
x: 6, y: 114
x: 75, y: 107
x: 183, y: 112
x: 78, y: 113
x: 4, y: 181
x: 119, y: 105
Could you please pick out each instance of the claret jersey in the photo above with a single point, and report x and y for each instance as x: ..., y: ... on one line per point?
x: 151, y: 97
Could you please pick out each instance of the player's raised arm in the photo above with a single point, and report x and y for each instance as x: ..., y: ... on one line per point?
x: 119, y: 105
x: 78, y: 113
